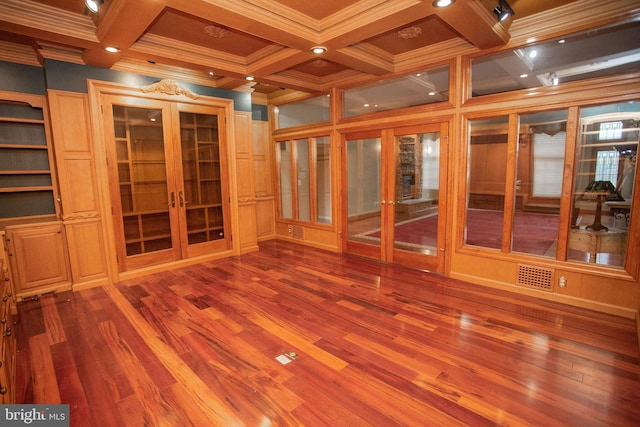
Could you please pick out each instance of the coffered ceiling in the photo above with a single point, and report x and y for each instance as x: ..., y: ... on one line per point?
x: 219, y: 43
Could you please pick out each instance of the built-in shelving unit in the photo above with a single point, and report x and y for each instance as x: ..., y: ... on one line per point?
x: 142, y: 177
x: 409, y: 167
x: 202, y: 177
x: 27, y: 182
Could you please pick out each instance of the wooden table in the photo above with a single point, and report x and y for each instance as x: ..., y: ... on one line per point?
x: 594, y: 242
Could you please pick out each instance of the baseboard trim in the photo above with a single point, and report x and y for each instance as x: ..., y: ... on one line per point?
x: 625, y: 312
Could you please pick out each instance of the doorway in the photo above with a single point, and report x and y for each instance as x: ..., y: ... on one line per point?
x: 395, y: 204
x: 168, y: 180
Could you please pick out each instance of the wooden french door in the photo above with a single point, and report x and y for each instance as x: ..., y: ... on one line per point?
x: 395, y: 203
x: 167, y: 180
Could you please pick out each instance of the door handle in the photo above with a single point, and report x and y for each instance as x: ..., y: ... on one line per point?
x: 173, y: 200
x: 181, y: 197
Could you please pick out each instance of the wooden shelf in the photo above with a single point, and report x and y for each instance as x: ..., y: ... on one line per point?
x: 26, y: 160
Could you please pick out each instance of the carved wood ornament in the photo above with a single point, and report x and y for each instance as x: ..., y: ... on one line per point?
x: 169, y: 87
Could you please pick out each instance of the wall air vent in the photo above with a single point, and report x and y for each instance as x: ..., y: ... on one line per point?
x: 298, y: 232
x: 535, y: 277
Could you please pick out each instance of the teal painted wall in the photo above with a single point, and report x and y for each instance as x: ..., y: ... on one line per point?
x: 70, y: 77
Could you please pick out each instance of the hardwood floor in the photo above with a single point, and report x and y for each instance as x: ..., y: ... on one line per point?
x: 378, y: 345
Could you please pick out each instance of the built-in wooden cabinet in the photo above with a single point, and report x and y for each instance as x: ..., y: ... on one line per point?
x: 7, y: 339
x: 79, y: 195
x: 27, y: 177
x: 168, y: 179
x: 264, y: 188
x: 38, y: 258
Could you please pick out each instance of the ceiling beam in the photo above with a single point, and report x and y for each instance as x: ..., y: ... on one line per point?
x: 476, y: 23
x: 120, y: 24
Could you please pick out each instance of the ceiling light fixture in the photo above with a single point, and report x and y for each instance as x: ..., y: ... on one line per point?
x: 318, y: 50
x: 443, y: 3
x: 503, y: 10
x: 93, y: 5
x: 250, y: 78
x: 112, y: 49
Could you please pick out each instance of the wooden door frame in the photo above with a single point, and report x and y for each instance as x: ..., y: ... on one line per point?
x: 165, y: 90
x: 386, y: 251
x: 435, y: 263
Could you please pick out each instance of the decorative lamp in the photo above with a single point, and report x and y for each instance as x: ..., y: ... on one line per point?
x: 599, y: 191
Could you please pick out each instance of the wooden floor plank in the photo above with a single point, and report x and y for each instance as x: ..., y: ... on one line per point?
x: 376, y: 344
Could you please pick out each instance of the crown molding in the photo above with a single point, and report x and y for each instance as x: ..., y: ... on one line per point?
x: 42, y: 18
x: 18, y: 53
x: 157, y: 46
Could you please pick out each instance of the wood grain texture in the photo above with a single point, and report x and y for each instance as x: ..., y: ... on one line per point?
x: 378, y: 345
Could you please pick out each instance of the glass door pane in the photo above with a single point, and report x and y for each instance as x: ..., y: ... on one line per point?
x: 303, y: 187
x: 417, y: 192
x: 363, y: 174
x: 202, y: 196
x: 323, y: 179
x: 142, y: 179
x: 487, y: 182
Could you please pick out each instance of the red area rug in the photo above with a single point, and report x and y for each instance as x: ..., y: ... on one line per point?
x: 533, y: 233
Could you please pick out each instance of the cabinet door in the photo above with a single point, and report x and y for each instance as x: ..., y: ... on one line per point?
x: 202, y: 193
x: 143, y: 191
x: 38, y: 258
x: 168, y: 180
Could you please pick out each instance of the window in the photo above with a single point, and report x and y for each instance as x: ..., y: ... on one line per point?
x: 604, y: 177
x: 305, y: 179
x: 607, y: 165
x: 426, y: 87
x: 610, y: 130
x: 600, y: 52
x: 528, y: 208
x: 304, y: 112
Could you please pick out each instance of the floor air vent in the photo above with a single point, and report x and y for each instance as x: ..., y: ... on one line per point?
x: 535, y: 277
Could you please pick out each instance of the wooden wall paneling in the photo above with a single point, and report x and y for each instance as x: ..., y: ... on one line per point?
x: 265, y: 214
x: 86, y: 253
x: 75, y: 162
x: 262, y: 170
x: 248, y: 237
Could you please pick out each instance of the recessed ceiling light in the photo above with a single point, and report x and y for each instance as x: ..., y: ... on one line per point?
x: 366, y: 105
x: 250, y: 78
x: 93, y: 5
x: 432, y: 93
x: 562, y: 41
x: 442, y: 3
x: 533, y: 53
x: 211, y: 73
x: 524, y: 75
x: 318, y: 50
x: 112, y: 49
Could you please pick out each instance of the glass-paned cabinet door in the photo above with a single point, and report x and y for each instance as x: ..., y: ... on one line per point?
x: 201, y: 168
x: 604, y: 179
x: 142, y: 179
